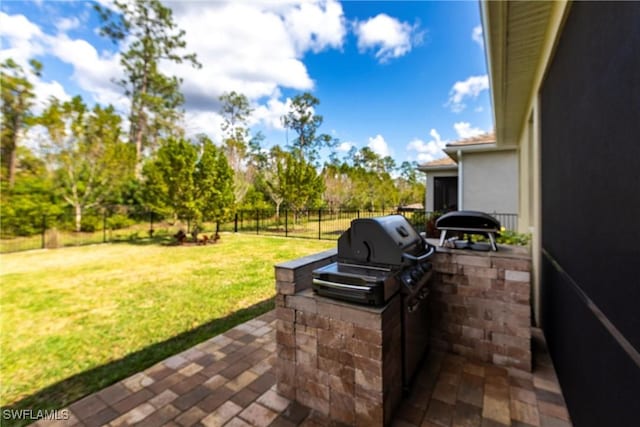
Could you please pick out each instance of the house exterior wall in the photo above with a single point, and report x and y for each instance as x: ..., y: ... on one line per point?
x: 430, y: 187
x: 590, y: 190
x: 490, y: 181
x: 578, y: 159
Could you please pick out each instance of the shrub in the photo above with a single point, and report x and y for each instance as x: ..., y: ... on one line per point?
x: 431, y: 229
x: 90, y: 224
x: 509, y: 237
x: 119, y: 221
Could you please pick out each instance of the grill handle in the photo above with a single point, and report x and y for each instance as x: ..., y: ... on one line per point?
x: 430, y: 249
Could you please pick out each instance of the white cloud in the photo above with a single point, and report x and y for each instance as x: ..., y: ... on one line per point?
x: 23, y: 39
x: 46, y: 90
x: 316, y: 25
x: 270, y: 113
x: 255, y: 47
x: 273, y: 39
x: 479, y: 109
x: 430, y: 150
x: 464, y: 130
x: 65, y: 24
x: 344, y: 147
x: 207, y: 122
x: 388, y: 36
x: 476, y: 35
x: 462, y: 90
x: 379, y: 146
x: 92, y: 71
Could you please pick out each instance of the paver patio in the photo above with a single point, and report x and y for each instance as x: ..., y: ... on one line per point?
x: 229, y: 380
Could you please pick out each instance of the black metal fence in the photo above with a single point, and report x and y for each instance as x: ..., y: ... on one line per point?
x: 97, y: 226
x: 321, y: 224
x: 54, y: 231
x: 328, y: 224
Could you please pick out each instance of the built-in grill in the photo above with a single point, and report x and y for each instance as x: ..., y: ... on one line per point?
x: 379, y: 259
x: 469, y: 223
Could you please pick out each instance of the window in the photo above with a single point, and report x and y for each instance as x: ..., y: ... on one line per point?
x: 445, y: 193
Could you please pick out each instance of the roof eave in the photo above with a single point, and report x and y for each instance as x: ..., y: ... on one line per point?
x: 426, y: 169
x: 453, y: 150
x: 519, y: 39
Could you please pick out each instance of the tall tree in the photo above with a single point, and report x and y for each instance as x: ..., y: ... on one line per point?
x: 304, y: 121
x: 213, y: 179
x: 338, y: 186
x: 370, y: 175
x: 235, y: 111
x: 273, y: 175
x: 189, y: 182
x: 168, y: 186
x: 290, y: 180
x: 86, y: 152
x: 152, y: 37
x: 410, y: 187
x: 17, y: 99
x: 32, y: 196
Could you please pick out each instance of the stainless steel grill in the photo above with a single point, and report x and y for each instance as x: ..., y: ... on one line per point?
x: 380, y: 259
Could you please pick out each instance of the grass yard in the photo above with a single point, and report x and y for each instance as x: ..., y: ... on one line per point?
x: 77, y: 319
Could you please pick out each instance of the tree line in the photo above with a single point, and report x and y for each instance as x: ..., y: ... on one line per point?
x: 73, y: 155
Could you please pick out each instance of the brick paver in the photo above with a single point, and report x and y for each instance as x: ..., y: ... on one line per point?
x: 229, y: 380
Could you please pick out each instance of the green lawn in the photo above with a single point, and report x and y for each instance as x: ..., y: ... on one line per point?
x: 77, y: 319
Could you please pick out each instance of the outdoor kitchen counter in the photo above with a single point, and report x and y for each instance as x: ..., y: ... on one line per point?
x: 344, y: 359
x: 341, y: 359
x: 481, y: 304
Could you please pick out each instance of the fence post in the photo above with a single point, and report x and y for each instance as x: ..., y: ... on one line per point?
x: 286, y: 223
x: 44, y: 229
x: 150, y: 223
x: 104, y: 226
x: 257, y: 221
x: 319, y: 224
x: 358, y: 213
x: 235, y: 223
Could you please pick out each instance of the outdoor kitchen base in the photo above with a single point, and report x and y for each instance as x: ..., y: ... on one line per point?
x: 341, y: 359
x: 345, y: 360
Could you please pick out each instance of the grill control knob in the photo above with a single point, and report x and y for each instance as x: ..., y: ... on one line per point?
x: 407, y: 279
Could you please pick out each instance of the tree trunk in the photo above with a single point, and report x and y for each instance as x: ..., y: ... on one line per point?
x: 140, y: 125
x: 12, y: 166
x: 78, y: 215
x: 12, y: 153
x: 138, y: 169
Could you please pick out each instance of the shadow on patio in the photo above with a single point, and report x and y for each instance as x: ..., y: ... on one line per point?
x: 229, y: 380
x: 67, y: 391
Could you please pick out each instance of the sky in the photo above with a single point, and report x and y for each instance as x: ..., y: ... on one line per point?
x: 403, y: 78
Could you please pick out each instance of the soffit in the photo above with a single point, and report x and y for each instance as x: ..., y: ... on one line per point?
x: 516, y: 34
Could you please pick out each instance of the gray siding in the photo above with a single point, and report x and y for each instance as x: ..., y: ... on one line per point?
x: 490, y: 181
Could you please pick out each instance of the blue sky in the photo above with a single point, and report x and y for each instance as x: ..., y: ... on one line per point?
x: 401, y: 77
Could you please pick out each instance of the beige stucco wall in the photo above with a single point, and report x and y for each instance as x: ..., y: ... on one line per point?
x: 490, y: 181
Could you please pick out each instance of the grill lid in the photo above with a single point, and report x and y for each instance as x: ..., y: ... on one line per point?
x: 468, y: 221
x: 382, y: 241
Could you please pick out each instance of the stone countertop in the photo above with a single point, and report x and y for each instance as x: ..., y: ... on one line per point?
x: 504, y: 251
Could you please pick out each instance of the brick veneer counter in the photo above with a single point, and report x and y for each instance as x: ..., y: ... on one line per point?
x: 480, y: 305
x: 340, y: 359
x: 344, y: 360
